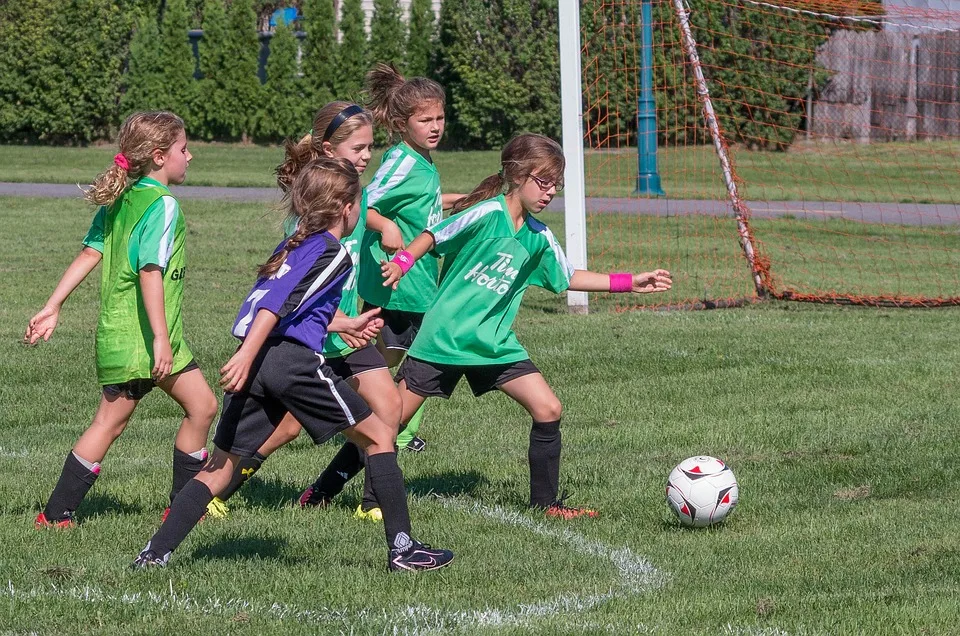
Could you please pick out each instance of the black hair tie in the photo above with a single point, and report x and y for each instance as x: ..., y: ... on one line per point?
x: 341, y: 117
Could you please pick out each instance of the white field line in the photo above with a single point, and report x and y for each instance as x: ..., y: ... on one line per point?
x: 635, y: 575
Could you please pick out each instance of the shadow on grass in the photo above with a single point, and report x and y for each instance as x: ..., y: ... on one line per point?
x: 102, y: 504
x: 449, y: 484
x: 245, y: 548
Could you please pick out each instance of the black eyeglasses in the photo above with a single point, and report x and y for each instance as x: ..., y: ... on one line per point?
x: 545, y: 185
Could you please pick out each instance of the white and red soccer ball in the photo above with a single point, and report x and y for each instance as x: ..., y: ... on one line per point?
x: 702, y: 491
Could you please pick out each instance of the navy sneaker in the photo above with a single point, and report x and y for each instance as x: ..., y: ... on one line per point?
x: 418, y: 557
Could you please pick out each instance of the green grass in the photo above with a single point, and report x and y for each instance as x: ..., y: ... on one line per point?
x: 889, y: 172
x: 840, y: 424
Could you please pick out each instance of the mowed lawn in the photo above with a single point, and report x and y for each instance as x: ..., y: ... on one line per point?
x: 841, y: 425
x: 902, y: 172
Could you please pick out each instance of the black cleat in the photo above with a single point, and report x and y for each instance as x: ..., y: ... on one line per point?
x: 416, y: 445
x: 149, y: 559
x: 418, y: 557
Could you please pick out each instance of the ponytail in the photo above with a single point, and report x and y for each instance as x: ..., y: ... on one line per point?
x: 488, y: 188
x: 393, y: 99
x: 297, y: 155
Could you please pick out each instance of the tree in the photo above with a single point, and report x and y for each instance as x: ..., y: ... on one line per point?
x: 320, y: 51
x: 421, y: 38
x: 240, y: 82
x: 176, y: 60
x: 212, y: 99
x: 285, y: 111
x: 143, y: 81
x: 388, y: 34
x: 352, y: 54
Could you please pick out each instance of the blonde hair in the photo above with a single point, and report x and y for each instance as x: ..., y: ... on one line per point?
x: 394, y: 99
x: 525, y: 154
x: 140, y: 135
x: 310, y: 147
x: 316, y: 198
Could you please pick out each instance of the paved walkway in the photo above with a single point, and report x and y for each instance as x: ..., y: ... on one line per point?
x: 890, y: 213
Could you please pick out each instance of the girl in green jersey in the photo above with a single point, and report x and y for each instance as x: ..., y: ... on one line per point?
x: 138, y: 233
x: 343, y: 131
x: 493, y: 249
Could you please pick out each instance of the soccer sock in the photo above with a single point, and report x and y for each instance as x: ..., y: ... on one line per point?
x: 185, y: 512
x: 245, y: 469
x: 412, y: 428
x: 342, y: 468
x: 544, y: 458
x: 75, y: 481
x: 387, y: 481
x: 186, y: 466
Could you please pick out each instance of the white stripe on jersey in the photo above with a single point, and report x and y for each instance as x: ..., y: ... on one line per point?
x: 169, y: 229
x: 464, y: 219
x: 333, y: 390
x: 384, y: 169
x: 324, y: 277
x: 558, y: 252
x: 375, y: 194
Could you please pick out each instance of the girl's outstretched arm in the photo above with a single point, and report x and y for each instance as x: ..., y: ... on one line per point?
x: 235, y: 373
x: 405, y: 259
x: 390, y: 238
x: 45, y: 321
x: 656, y: 281
x: 151, y: 286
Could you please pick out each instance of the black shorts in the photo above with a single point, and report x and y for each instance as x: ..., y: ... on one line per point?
x: 429, y: 379
x: 358, y: 361
x: 138, y: 389
x: 287, y: 377
x: 399, y: 327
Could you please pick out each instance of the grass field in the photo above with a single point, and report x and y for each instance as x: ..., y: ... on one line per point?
x: 883, y: 172
x: 840, y: 424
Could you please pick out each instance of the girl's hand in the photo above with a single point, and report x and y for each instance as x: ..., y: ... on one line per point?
x: 234, y: 374
x: 656, y: 281
x: 362, y: 329
x: 42, y: 325
x: 391, y: 274
x: 390, y: 238
x: 162, y: 359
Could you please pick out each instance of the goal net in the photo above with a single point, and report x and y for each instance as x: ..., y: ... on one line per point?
x: 800, y: 150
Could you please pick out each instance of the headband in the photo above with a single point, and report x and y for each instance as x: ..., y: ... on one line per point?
x: 341, y: 117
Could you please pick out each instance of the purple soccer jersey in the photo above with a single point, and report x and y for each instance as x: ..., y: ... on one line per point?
x: 304, y: 292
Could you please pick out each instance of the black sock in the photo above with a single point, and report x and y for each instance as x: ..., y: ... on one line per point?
x: 185, y: 512
x: 387, y: 481
x: 75, y: 480
x: 544, y: 458
x: 246, y: 467
x: 185, y: 468
x: 342, y: 468
x: 369, y: 501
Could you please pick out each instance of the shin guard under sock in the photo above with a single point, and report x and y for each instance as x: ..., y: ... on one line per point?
x: 245, y: 469
x: 186, y: 466
x: 74, y: 483
x: 544, y: 458
x: 185, y: 512
x: 387, y: 481
x: 342, y: 468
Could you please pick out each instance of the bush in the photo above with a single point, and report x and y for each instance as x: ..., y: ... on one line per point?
x: 286, y: 111
x: 320, y: 50
x: 388, y: 33
x: 352, y: 54
x: 421, y: 38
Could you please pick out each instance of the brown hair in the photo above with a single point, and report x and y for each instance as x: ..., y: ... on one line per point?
x: 140, y: 135
x: 394, y: 99
x: 525, y: 154
x: 317, y: 198
x: 310, y: 147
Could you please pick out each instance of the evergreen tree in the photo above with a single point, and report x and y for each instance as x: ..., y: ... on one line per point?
x: 143, y: 82
x: 212, y: 103
x: 352, y: 54
x: 320, y: 50
x: 176, y: 60
x: 421, y: 38
x: 285, y: 111
x: 388, y: 34
x: 240, y: 81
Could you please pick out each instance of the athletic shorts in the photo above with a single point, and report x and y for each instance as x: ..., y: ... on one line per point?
x: 138, y: 389
x: 399, y: 327
x: 356, y: 362
x: 287, y: 377
x: 429, y: 379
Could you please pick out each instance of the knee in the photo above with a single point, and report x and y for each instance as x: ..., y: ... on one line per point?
x: 209, y: 408
x: 550, y: 411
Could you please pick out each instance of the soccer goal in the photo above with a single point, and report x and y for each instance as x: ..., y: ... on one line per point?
x: 794, y: 150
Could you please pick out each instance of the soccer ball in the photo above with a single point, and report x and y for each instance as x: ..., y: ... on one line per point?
x: 702, y: 491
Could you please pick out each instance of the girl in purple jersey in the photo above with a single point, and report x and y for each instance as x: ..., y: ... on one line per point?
x: 277, y: 369
x: 493, y: 249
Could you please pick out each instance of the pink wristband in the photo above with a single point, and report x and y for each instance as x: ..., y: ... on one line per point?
x: 621, y: 282
x: 404, y: 260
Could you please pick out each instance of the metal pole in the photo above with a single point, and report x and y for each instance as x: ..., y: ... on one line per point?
x: 571, y: 103
x: 648, y: 178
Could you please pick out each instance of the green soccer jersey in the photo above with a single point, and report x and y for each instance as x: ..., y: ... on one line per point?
x: 406, y: 190
x: 143, y: 227
x: 487, y: 265
x: 334, y: 346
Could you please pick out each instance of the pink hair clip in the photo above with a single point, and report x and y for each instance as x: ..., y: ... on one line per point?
x: 121, y: 161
